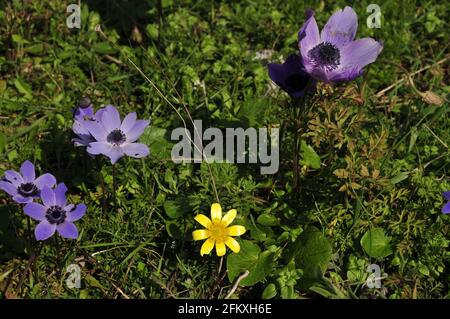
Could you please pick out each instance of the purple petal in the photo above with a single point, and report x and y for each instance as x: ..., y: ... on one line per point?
x: 67, y: 230
x: 137, y: 130
x: 128, y: 122
x: 48, y: 196
x: 28, y: 172
x: 290, y: 75
x: 340, y: 28
x: 35, y: 211
x: 115, y: 154
x: 14, y: 177
x: 446, y: 195
x: 79, y: 127
x: 84, y: 113
x: 45, y: 180
x: 301, y: 33
x: 96, y: 129
x: 8, y: 187
x: 60, y: 195
x: 22, y: 200
x: 346, y: 75
x: 96, y: 148
x: 137, y: 150
x: 98, y: 115
x: 446, y: 208
x: 310, y: 39
x: 358, y: 54
x: 44, y: 230
x: 111, y: 118
x: 77, y: 213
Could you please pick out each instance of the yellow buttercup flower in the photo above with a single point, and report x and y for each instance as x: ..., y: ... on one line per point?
x: 217, y: 231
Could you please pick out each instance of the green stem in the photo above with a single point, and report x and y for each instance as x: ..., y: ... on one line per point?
x: 114, y: 187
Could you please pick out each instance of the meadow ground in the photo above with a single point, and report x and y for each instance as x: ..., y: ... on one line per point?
x: 373, y: 160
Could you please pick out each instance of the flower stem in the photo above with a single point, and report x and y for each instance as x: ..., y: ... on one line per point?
x: 114, y: 187
x: 102, y: 185
x: 299, y: 114
x: 58, y: 257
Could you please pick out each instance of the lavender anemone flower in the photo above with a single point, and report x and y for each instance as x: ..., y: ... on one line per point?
x: 25, y: 187
x: 446, y: 208
x: 55, y: 214
x: 82, y: 115
x: 333, y: 54
x: 290, y: 76
x: 116, y: 139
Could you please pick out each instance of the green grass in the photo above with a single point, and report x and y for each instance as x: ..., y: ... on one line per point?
x: 384, y: 158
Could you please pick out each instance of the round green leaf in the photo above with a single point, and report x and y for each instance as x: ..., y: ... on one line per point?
x: 259, y: 264
x: 375, y: 243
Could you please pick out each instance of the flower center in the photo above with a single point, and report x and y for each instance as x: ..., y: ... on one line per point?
x: 28, y: 190
x: 296, y: 82
x: 55, y: 215
x: 218, y: 232
x: 325, y: 55
x: 116, y: 137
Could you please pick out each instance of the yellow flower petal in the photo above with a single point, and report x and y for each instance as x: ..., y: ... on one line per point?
x: 235, y: 230
x: 201, y: 234
x: 216, y: 212
x: 203, y: 220
x: 207, y: 246
x: 232, y: 244
x: 220, y: 249
x: 229, y: 217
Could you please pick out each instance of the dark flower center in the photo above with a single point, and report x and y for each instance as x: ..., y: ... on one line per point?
x: 116, y: 137
x: 55, y: 215
x: 325, y: 55
x: 28, y: 190
x: 296, y: 82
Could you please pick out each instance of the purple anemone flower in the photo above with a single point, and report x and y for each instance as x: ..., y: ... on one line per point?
x: 82, y: 115
x: 115, y: 138
x: 25, y: 187
x: 290, y: 76
x: 333, y: 54
x: 446, y: 208
x: 55, y: 214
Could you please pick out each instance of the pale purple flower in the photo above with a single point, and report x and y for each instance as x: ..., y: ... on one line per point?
x: 446, y: 208
x: 25, y: 187
x: 115, y: 138
x: 83, y: 115
x: 55, y: 214
x: 333, y: 54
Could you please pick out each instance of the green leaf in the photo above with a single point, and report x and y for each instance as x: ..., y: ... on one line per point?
x: 312, y: 253
x: 375, y: 243
x: 399, y: 177
x: 269, y: 292
x: 155, y: 138
x: 23, y: 88
x: 2, y: 143
x: 176, y: 208
x: 267, y: 220
x: 103, y: 48
x: 309, y: 156
x: 259, y: 264
x: 35, y: 48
